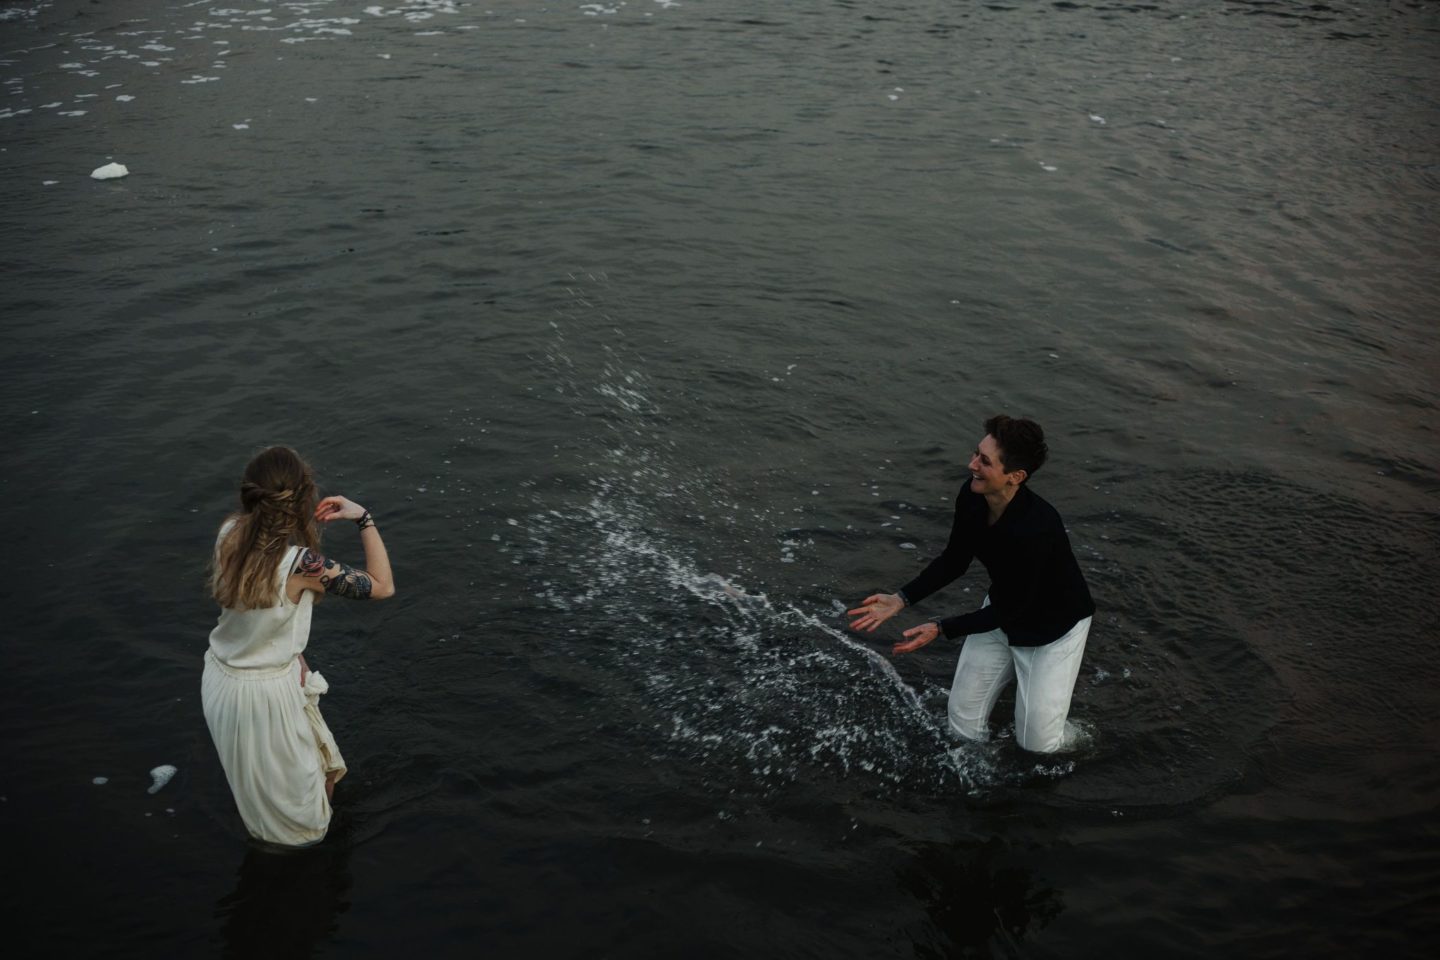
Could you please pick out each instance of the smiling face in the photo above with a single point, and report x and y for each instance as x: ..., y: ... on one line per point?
x: 987, y: 470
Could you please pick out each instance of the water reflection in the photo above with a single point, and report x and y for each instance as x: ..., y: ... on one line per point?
x: 978, y: 899
x: 286, y: 903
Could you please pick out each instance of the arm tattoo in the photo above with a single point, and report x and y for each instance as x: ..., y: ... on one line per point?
x: 311, y: 564
x: 346, y: 581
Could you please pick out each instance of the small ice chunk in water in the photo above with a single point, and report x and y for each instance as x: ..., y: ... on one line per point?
x: 1098, y: 119
x: 110, y: 171
x: 100, y: 781
x: 48, y: 183
x: 1047, y: 168
x: 907, y: 546
x: 160, y: 776
x: 241, y: 126
x: 124, y: 98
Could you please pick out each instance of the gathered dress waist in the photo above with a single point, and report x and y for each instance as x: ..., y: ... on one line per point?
x: 250, y: 673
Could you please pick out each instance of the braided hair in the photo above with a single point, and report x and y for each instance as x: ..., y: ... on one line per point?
x: 277, y: 510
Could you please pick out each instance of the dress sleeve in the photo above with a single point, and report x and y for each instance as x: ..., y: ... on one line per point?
x: 952, y: 562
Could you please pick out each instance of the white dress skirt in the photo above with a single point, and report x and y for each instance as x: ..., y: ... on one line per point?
x: 268, y: 731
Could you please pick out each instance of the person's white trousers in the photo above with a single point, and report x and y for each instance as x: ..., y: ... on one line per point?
x: 1045, y: 679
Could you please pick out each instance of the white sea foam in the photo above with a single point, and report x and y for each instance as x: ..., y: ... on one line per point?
x: 160, y: 776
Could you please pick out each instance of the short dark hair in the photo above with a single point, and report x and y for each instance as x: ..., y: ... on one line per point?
x: 1021, y: 442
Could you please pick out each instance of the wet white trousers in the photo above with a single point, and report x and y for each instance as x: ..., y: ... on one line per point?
x: 1044, y: 681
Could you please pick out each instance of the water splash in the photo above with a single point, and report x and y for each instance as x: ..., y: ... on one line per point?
x: 767, y: 688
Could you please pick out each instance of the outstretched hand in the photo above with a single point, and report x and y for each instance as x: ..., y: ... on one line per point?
x: 921, y: 635
x: 338, y: 508
x: 875, y: 610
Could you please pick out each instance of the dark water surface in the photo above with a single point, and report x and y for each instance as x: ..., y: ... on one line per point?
x: 656, y: 333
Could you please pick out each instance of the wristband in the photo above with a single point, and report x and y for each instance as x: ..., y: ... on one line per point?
x: 365, y: 520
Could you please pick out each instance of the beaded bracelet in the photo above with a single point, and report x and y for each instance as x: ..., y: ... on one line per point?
x: 365, y: 521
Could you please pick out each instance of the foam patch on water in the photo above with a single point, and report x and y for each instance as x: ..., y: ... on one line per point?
x: 26, y: 11
x: 160, y: 776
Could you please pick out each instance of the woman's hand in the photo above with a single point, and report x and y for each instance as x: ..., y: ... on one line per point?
x: 338, y: 508
x: 875, y: 610
x: 920, y: 636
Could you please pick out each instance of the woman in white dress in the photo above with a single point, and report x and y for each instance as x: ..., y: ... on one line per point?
x: 261, y: 699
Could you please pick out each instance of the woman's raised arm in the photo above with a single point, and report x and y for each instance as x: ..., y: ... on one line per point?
x: 315, y: 572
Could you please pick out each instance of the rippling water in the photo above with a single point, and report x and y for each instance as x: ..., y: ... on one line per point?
x: 657, y: 332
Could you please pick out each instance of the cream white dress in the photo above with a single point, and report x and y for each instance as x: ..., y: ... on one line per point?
x: 272, y: 741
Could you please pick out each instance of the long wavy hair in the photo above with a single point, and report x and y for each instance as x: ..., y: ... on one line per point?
x: 277, y: 510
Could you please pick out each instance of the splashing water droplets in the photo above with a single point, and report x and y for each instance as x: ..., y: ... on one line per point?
x: 659, y: 560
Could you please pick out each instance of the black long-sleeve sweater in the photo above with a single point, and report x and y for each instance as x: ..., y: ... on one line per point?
x: 1037, y: 592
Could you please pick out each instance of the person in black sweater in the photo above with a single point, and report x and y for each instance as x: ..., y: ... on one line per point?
x: 1033, y: 625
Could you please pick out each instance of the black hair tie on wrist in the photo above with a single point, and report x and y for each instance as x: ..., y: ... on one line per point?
x: 365, y: 521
